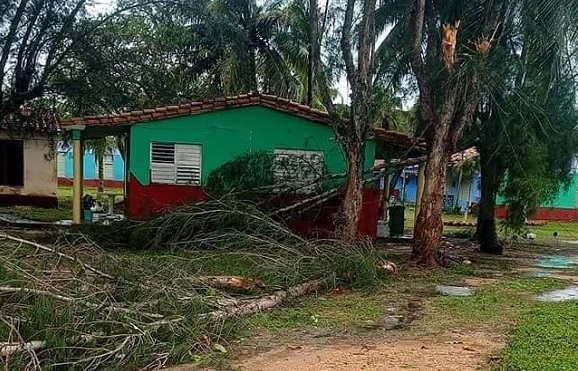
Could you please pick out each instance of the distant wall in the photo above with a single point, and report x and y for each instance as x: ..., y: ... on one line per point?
x: 469, y: 189
x: 40, y: 181
x: 113, y: 167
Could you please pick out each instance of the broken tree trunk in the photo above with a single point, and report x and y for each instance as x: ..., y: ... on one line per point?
x: 266, y: 302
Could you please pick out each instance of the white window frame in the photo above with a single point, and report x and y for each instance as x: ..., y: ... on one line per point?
x: 176, y: 163
x: 309, y: 168
x: 108, y: 164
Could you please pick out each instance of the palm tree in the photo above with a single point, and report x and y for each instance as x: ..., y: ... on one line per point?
x: 101, y: 148
x: 242, y: 36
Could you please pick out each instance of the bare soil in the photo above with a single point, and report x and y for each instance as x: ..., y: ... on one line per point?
x: 447, y: 353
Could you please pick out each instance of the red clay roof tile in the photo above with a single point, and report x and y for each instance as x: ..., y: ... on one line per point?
x: 207, y: 105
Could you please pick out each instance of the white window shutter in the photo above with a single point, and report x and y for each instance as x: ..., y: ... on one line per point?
x: 163, y: 169
x: 188, y: 160
x: 61, y: 164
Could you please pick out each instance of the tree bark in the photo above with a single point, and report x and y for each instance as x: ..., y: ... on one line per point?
x: 354, y: 131
x: 266, y: 302
x: 312, y: 49
x: 429, y: 225
x: 100, y: 159
x: 353, y: 201
x: 486, y: 232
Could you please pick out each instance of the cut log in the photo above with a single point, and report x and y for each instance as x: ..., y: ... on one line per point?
x: 229, y: 282
x: 266, y: 302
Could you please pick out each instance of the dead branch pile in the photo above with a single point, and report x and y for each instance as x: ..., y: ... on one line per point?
x: 238, y: 229
x: 72, y: 305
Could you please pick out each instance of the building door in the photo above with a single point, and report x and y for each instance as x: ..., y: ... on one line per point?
x: 12, y: 163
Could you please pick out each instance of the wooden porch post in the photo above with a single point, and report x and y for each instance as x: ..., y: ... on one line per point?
x: 420, y: 187
x: 386, y: 195
x: 78, y: 176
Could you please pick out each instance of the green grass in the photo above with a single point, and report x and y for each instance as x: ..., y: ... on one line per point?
x: 496, y: 305
x: 359, y: 309
x: 567, y: 230
x: 545, y: 336
x: 64, y: 211
x: 546, y: 339
x: 354, y: 309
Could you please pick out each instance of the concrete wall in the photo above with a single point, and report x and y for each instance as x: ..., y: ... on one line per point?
x: 40, y: 179
x: 227, y: 134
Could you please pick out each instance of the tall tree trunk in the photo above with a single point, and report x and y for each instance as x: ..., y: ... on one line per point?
x: 486, y: 232
x: 100, y: 160
x: 353, y: 201
x: 429, y: 225
x: 354, y: 132
x: 253, y: 86
x: 121, y: 145
x: 312, y: 49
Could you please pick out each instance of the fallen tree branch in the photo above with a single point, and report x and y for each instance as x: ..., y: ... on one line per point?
x: 236, y: 282
x: 7, y: 349
x: 62, y: 255
x: 266, y: 302
x: 8, y: 289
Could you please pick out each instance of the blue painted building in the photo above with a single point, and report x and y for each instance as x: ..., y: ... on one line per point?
x: 113, y: 165
x: 469, y: 189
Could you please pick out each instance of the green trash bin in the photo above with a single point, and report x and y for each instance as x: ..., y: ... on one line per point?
x: 88, y: 215
x: 396, y: 220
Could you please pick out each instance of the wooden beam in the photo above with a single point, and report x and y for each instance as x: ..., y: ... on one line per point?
x: 386, y: 195
x: 78, y: 176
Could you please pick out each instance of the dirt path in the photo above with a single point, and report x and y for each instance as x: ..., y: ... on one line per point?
x: 461, y: 352
x: 454, y: 352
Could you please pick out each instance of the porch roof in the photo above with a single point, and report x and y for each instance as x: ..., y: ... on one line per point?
x: 111, y: 124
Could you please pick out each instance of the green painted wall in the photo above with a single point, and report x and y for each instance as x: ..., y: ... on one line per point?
x: 226, y: 134
x: 565, y: 199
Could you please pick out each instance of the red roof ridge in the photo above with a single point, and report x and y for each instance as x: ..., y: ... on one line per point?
x: 201, y: 106
x: 214, y: 104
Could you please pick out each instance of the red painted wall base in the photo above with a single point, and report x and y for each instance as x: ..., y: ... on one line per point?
x: 145, y: 201
x: 543, y: 214
x: 46, y: 202
x: 92, y: 183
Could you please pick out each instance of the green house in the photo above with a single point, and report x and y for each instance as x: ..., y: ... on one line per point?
x: 172, y: 150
